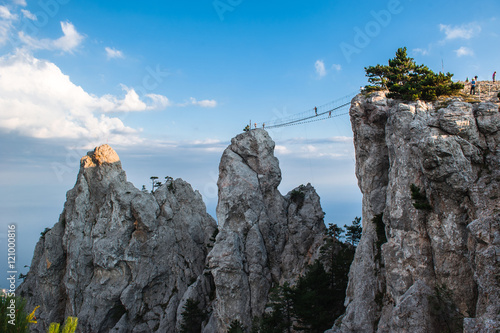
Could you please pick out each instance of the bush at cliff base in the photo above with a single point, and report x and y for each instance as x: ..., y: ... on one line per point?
x: 13, y: 317
x: 408, y: 81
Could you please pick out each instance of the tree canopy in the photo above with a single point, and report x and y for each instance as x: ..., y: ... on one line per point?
x: 408, y: 81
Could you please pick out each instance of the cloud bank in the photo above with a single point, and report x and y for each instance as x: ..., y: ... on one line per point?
x: 39, y: 101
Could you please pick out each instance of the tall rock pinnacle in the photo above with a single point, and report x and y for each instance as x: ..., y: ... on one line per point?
x: 119, y: 259
x: 265, y: 239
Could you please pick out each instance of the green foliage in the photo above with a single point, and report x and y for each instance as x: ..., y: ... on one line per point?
x: 54, y: 328
x: 297, y: 196
x: 44, y: 232
x: 236, y: 327
x: 334, y: 231
x: 408, y: 81
x: 314, y: 300
x: 420, y: 200
x: 447, y: 317
x: 70, y: 325
x: 279, y: 319
x: 337, y: 258
x: 353, y: 232
x: 317, y: 299
x: 192, y: 317
x: 20, y: 317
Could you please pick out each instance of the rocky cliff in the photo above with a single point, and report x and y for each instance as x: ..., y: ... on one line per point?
x: 122, y: 260
x: 265, y: 238
x: 428, y: 257
x: 119, y: 259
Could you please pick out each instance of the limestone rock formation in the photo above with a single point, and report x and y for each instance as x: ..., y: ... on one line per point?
x: 122, y: 260
x: 429, y: 174
x: 119, y: 259
x: 265, y: 238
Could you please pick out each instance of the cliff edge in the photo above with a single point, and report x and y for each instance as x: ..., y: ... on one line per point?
x: 429, y: 174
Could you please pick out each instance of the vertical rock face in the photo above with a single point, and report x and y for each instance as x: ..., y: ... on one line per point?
x: 429, y: 174
x: 265, y: 239
x: 119, y: 259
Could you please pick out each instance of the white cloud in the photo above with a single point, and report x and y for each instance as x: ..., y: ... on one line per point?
x: 6, y: 14
x: 421, y: 51
x: 5, y: 28
x: 6, y: 24
x: 206, y: 103
x: 38, y: 100
x: 464, y: 31
x: 159, y: 101
x: 113, y: 53
x: 282, y: 150
x: 28, y: 14
x: 70, y: 40
x: 464, y: 51
x: 20, y: 2
x: 336, y: 67
x: 131, y: 102
x: 319, y: 65
x: 335, y: 148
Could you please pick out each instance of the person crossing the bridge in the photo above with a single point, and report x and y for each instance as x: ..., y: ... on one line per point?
x: 330, y: 114
x: 316, y: 110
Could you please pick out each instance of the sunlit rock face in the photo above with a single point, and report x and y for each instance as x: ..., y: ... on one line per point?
x: 119, y: 259
x: 429, y: 174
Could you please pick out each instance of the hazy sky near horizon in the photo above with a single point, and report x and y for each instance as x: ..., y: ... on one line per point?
x: 168, y: 83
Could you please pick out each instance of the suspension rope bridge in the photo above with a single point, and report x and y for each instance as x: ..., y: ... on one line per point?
x: 336, y: 108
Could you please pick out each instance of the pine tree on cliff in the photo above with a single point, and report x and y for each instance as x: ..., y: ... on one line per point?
x: 408, y: 81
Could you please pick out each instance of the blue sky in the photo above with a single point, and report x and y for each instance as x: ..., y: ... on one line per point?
x: 168, y: 83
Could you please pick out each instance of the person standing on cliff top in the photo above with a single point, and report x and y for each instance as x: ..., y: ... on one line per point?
x: 473, y: 86
x: 494, y: 76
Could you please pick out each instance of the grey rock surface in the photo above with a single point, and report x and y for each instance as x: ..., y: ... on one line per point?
x: 119, y: 259
x: 122, y: 260
x: 449, y: 237
x: 265, y: 238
